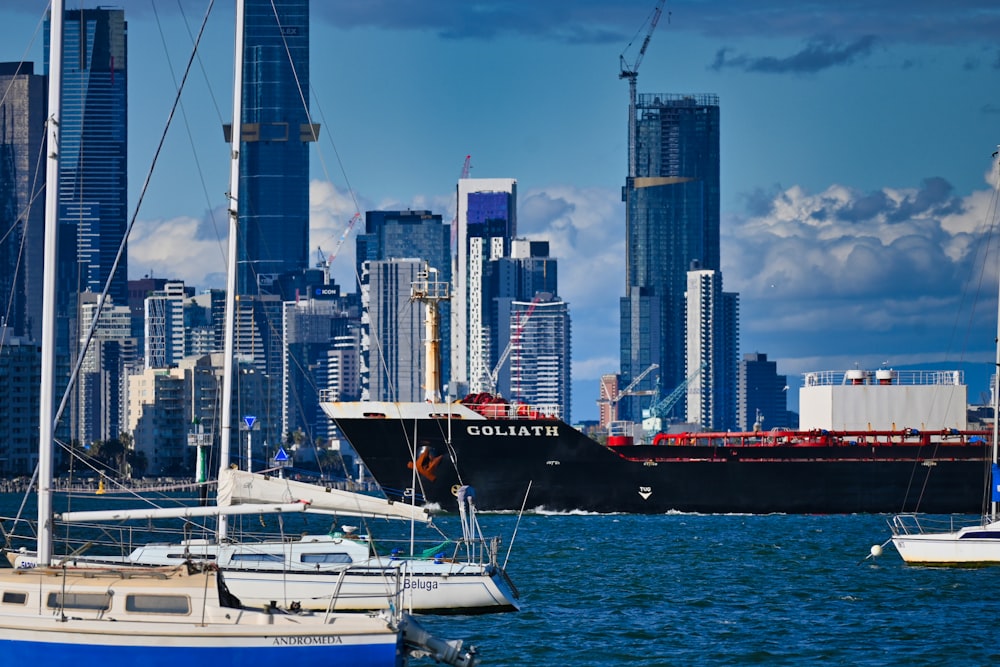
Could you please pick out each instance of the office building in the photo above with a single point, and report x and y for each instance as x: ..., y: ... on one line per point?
x: 274, y: 158
x: 93, y: 173
x: 672, y: 219
x: 23, y: 109
x: 20, y: 370
x: 486, y: 224
x: 763, y: 395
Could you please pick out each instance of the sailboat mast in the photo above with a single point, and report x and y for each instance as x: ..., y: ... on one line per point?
x: 48, y: 341
x: 996, y: 388
x: 229, y: 347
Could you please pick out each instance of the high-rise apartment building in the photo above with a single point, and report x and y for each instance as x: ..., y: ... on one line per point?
x: 392, y: 351
x: 526, y: 274
x: 93, y: 173
x: 712, y: 349
x: 540, y: 354
x: 102, y: 381
x: 274, y: 158
x: 412, y: 234
x: 166, y: 331
x: 487, y: 223
x: 312, y: 329
x: 23, y: 106
x: 672, y: 219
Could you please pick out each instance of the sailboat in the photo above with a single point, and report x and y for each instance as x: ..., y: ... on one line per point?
x: 164, y: 616
x: 339, y: 570
x: 925, y: 541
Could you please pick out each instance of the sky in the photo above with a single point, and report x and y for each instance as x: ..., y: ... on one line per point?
x: 856, y: 143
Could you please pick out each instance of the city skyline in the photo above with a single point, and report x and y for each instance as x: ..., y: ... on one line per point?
x: 855, y: 143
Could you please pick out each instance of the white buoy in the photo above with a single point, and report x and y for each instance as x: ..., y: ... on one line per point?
x: 876, y: 550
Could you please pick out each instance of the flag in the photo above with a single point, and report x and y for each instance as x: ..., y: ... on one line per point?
x: 996, y: 483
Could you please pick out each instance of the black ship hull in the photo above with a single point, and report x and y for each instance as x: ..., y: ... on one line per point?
x: 548, y: 465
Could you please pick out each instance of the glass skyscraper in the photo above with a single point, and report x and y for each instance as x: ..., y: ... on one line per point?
x: 93, y: 174
x: 672, y: 220
x: 22, y: 214
x: 274, y: 159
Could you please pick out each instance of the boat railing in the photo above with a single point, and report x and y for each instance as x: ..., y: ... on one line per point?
x: 516, y: 410
x: 918, y: 524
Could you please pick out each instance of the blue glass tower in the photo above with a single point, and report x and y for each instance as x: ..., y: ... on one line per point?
x: 274, y: 162
x: 93, y: 174
x: 672, y: 220
x: 22, y: 134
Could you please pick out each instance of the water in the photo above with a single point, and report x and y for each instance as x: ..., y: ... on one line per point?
x: 728, y: 590
x: 684, y: 589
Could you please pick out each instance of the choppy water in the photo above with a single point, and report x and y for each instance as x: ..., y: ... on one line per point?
x: 684, y: 589
x: 729, y: 590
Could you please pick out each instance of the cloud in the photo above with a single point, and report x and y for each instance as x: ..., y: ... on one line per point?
x: 820, y: 53
x: 600, y: 21
x: 844, y: 276
x: 182, y: 248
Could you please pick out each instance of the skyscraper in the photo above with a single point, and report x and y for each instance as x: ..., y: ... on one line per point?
x: 22, y: 213
x: 412, y: 234
x: 540, y: 354
x: 274, y: 159
x: 672, y: 219
x: 526, y: 275
x: 392, y: 333
x: 487, y: 223
x: 93, y: 174
x: 763, y: 395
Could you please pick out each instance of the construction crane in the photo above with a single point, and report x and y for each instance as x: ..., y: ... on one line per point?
x: 343, y: 237
x: 660, y: 409
x: 515, y: 337
x: 628, y: 391
x: 632, y: 73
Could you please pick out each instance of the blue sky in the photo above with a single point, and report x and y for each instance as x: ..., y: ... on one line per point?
x: 856, y: 152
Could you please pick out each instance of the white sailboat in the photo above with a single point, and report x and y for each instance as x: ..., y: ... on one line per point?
x: 925, y: 541
x: 341, y: 571
x: 163, y: 616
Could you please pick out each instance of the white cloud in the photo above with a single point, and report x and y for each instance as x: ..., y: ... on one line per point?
x: 181, y: 248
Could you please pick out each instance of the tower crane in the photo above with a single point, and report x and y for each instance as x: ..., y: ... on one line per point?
x: 628, y: 391
x: 515, y: 337
x: 632, y: 73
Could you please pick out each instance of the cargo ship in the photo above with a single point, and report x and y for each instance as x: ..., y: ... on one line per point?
x: 864, y: 450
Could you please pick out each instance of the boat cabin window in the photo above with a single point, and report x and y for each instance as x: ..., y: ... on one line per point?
x: 92, y: 601
x: 373, y: 415
x: 326, y: 558
x: 158, y: 604
x: 12, y: 597
x: 185, y: 556
x: 257, y: 558
x: 438, y: 415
